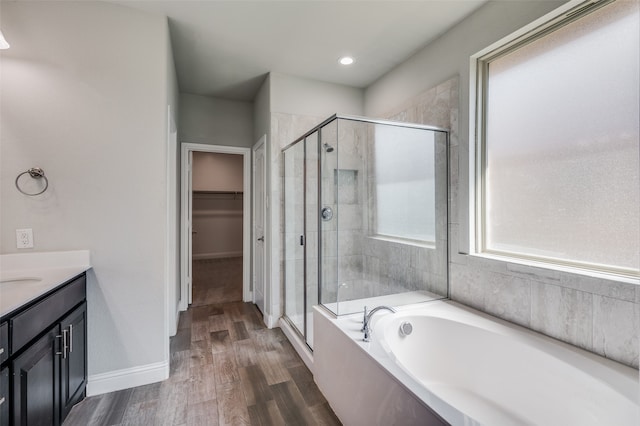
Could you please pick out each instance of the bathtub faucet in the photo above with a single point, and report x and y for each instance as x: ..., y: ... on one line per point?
x: 367, y: 319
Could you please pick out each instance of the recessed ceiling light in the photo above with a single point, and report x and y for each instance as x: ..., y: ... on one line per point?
x: 346, y: 60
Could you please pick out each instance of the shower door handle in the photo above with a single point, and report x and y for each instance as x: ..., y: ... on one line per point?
x: 301, y: 240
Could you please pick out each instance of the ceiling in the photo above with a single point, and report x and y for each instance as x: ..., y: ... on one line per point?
x: 225, y: 48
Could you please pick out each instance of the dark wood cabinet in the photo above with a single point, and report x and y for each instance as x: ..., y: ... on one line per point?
x: 36, y: 383
x: 73, y: 371
x: 5, y: 396
x: 47, y: 363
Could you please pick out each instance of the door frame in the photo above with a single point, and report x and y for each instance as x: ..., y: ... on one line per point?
x: 185, y: 214
x: 262, y: 142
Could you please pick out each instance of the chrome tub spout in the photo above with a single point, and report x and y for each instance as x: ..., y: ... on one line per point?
x: 366, y: 329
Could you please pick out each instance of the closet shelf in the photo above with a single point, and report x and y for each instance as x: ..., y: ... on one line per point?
x: 226, y: 195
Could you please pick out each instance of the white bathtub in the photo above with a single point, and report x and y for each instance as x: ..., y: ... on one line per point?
x: 466, y: 368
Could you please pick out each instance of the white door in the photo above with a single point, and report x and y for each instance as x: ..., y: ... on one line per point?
x: 259, y: 207
x: 189, y: 230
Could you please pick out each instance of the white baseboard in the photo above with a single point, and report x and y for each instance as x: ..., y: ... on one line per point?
x: 270, y: 320
x: 174, y: 327
x: 300, y: 347
x: 221, y: 255
x: 127, y: 378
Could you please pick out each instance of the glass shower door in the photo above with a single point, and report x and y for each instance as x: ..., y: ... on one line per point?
x: 294, y: 289
x: 311, y: 232
x: 301, y: 234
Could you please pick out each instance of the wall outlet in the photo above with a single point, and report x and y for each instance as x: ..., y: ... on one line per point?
x: 24, y: 238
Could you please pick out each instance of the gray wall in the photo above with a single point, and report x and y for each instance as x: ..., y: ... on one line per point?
x: 173, y: 236
x: 597, y: 314
x: 262, y: 110
x: 84, y: 92
x: 302, y: 96
x: 215, y: 121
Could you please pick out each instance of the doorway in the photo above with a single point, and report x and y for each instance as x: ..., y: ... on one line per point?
x: 215, y: 220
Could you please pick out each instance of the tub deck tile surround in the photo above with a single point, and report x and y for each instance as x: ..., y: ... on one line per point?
x: 227, y: 368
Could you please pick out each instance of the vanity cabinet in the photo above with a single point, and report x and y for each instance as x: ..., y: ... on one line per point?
x: 35, y: 383
x: 73, y: 367
x: 4, y: 396
x: 4, y: 374
x: 47, y: 361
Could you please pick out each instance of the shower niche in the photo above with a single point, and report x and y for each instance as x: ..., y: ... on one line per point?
x: 364, y: 218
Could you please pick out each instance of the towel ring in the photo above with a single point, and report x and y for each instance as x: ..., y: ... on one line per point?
x: 36, y: 173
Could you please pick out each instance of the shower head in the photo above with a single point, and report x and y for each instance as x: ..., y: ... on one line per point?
x: 327, y: 147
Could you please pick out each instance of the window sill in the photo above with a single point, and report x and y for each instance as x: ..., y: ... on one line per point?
x: 405, y: 241
x: 560, y: 268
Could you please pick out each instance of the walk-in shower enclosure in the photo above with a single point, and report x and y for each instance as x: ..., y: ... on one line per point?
x: 364, y: 217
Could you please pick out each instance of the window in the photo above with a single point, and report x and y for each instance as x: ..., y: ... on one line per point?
x: 405, y: 183
x: 558, y: 153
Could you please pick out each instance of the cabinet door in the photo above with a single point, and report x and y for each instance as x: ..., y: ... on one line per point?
x: 4, y: 396
x: 36, y: 383
x: 74, y: 361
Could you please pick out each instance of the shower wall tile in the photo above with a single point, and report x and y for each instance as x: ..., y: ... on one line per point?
x: 329, y: 279
x: 486, y: 264
x: 328, y: 189
x: 548, y: 276
x: 350, y: 243
x: 465, y: 285
x: 350, y: 268
x: 454, y: 254
x: 508, y: 298
x: 329, y: 243
x: 426, y: 98
x: 311, y: 242
x: 562, y: 313
x: 349, y: 217
x: 615, y: 329
x: 292, y: 250
x: 312, y: 277
x: 371, y: 268
x: 398, y: 254
x: 453, y: 185
x: 599, y: 286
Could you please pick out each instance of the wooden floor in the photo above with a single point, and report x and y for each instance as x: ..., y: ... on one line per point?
x: 227, y: 368
x: 217, y: 280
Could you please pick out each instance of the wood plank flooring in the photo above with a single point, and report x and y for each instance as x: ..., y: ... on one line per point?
x: 217, y: 280
x: 227, y: 368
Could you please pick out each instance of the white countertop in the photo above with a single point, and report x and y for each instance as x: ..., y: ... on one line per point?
x: 25, y: 277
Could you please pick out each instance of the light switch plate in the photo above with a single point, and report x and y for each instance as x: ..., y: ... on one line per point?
x: 24, y: 238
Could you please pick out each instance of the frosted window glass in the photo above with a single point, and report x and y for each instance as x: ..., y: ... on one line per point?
x: 405, y: 183
x: 562, y: 119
